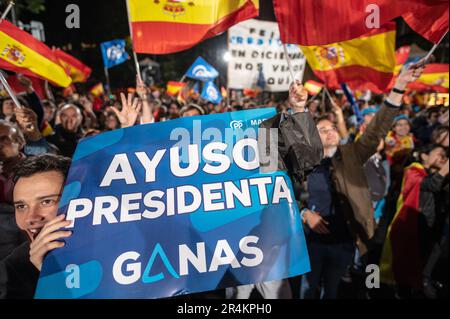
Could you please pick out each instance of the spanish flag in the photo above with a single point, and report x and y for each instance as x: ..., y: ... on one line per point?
x: 173, y: 88
x: 168, y: 26
x: 435, y: 77
x: 319, y: 22
x: 97, y: 90
x: 78, y: 71
x: 401, y: 262
x: 313, y: 87
x: 365, y: 63
x: 21, y: 53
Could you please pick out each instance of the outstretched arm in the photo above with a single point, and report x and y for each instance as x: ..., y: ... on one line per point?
x: 378, y: 128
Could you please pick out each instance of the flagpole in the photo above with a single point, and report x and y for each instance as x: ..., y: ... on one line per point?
x: 328, y: 94
x: 228, y: 73
x: 136, y: 62
x: 428, y: 56
x: 49, y: 92
x: 107, y: 81
x: 9, y: 90
x: 322, y: 104
x: 8, y: 8
x: 12, y: 95
x: 291, y: 70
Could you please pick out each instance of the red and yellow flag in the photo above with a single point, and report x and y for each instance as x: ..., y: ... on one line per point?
x: 365, y: 63
x: 435, y: 77
x: 21, y: 53
x: 319, y: 22
x: 78, y: 71
x: 97, y: 90
x: 173, y: 88
x: 313, y: 87
x: 401, y: 262
x: 168, y: 26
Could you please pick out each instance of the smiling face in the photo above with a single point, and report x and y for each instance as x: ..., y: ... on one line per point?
x: 71, y: 118
x: 36, y: 200
x: 402, y: 128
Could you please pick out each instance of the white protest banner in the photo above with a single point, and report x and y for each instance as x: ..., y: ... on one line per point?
x: 254, y: 45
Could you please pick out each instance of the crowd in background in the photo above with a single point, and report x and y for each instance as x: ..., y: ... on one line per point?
x: 419, y: 136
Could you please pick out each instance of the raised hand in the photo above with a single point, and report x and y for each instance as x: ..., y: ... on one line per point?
x: 130, y: 112
x: 26, y: 82
x: 141, y: 89
x: 27, y: 121
x: 47, y: 240
x: 298, y: 96
x: 409, y: 74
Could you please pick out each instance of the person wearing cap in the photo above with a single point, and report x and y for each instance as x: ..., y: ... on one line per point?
x: 399, y: 141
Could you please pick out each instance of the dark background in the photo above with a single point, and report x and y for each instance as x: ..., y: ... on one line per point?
x: 103, y: 20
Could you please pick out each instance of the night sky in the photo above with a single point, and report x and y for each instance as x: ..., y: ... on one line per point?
x: 103, y: 20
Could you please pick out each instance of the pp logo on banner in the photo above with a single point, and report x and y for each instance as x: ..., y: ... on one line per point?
x: 235, y: 125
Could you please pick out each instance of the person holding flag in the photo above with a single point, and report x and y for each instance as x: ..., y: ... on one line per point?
x: 338, y: 212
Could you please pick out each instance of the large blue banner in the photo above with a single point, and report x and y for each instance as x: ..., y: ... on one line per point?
x: 174, y: 208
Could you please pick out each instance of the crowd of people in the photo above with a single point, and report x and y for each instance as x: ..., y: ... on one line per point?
x: 358, y: 171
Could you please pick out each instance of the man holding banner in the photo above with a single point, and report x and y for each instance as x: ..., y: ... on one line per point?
x: 242, y: 231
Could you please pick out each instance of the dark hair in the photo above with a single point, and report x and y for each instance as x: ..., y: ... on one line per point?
x: 321, y: 118
x: 416, y: 155
x: 378, y: 99
x: 433, y: 110
x: 437, y: 132
x: 41, y: 164
x: 48, y: 103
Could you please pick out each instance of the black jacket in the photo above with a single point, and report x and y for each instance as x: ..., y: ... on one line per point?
x: 65, y: 141
x: 10, y: 235
x: 433, y: 208
x: 291, y: 143
x: 18, y: 276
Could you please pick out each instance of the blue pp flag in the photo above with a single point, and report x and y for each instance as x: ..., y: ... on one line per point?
x: 211, y: 93
x: 202, y: 71
x: 158, y: 214
x: 114, y: 53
